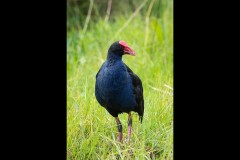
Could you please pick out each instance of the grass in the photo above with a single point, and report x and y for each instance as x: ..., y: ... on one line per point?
x: 91, y: 130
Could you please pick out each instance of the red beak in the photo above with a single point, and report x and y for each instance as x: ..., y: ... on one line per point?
x: 127, y: 49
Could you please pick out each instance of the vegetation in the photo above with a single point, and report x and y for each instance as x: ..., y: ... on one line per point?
x: 147, y: 26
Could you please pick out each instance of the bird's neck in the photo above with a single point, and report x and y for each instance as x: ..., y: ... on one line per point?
x: 111, y: 57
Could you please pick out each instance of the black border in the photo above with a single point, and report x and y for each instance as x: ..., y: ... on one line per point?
x: 34, y: 94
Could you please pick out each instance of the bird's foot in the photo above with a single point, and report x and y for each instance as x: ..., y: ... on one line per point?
x: 119, y: 138
x: 128, y: 141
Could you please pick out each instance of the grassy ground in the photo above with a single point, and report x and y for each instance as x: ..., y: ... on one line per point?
x: 91, y: 130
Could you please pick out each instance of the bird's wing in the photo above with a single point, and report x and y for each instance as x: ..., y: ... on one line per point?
x: 138, y: 91
x: 97, y: 94
x: 98, y: 73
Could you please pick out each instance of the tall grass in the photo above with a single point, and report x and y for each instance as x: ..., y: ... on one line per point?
x: 91, y: 130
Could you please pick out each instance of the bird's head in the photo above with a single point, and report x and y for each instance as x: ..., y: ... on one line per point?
x: 121, y: 48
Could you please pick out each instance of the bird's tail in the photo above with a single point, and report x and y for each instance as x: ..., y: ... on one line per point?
x: 140, y: 118
x: 141, y: 110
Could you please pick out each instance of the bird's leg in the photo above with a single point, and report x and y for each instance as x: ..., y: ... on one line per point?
x: 129, y: 126
x: 119, y: 125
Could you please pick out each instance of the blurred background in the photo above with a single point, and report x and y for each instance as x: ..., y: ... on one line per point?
x: 110, y: 10
x: 101, y: 22
x: 92, y: 26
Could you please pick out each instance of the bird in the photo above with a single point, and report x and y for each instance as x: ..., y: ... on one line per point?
x: 118, y: 89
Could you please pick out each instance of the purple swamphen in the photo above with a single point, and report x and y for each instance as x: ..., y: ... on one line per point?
x: 117, y: 88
